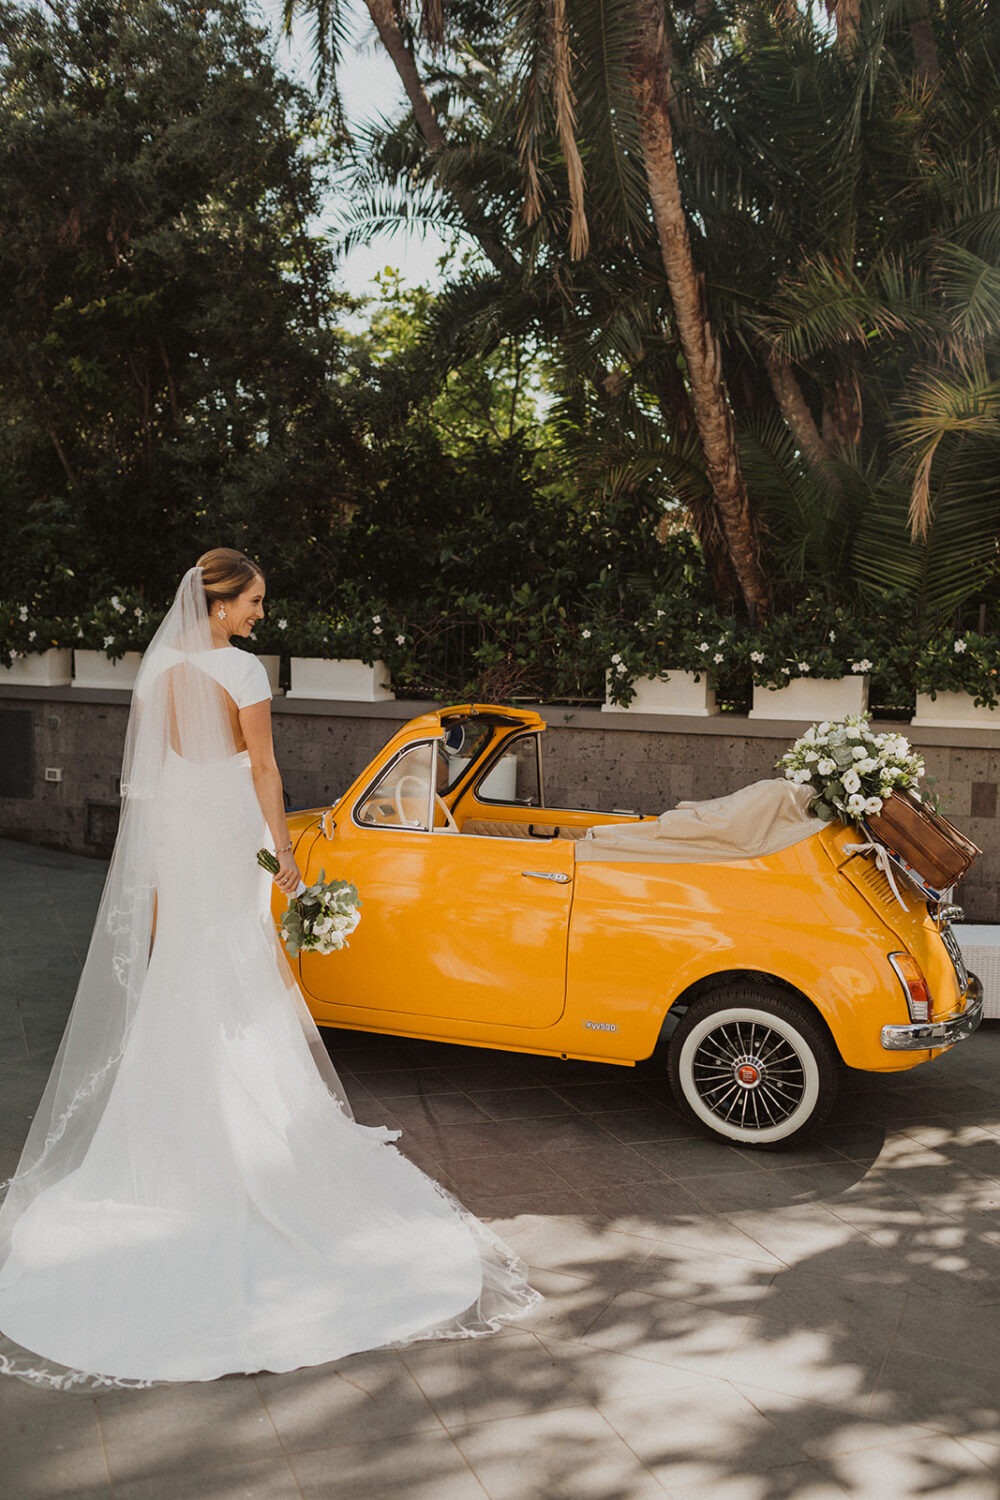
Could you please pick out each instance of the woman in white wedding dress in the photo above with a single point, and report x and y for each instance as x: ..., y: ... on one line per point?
x: 194, y: 1198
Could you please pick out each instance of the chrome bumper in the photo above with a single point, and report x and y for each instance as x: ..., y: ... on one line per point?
x: 926, y: 1036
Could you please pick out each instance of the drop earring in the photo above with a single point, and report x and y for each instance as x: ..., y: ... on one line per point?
x: 220, y: 613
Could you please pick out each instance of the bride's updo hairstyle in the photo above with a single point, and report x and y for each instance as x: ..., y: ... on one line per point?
x: 225, y: 573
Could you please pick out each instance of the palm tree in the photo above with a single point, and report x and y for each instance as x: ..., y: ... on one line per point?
x: 633, y: 99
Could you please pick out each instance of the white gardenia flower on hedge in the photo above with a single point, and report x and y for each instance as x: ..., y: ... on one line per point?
x: 758, y: 657
x: 803, y: 666
x: 961, y: 646
x: 864, y: 665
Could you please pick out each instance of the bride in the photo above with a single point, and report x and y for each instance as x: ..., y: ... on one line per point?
x: 194, y: 1197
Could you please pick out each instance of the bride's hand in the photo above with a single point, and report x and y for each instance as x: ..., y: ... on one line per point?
x: 289, y: 876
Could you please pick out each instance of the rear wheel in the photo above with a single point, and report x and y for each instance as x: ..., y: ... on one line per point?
x: 753, y: 1066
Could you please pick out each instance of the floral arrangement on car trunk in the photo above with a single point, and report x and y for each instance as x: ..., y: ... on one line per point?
x: 850, y: 769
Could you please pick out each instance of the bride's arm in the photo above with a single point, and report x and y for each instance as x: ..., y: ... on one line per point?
x: 255, y: 722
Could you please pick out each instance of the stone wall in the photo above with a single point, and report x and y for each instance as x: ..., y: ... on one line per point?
x: 646, y: 762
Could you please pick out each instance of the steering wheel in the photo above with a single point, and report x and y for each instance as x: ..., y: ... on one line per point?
x: 400, y: 792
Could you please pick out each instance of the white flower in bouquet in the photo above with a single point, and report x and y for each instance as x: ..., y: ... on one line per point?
x: 321, y: 917
x: 850, y: 769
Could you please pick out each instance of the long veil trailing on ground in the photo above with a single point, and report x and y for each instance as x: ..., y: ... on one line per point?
x: 194, y: 1197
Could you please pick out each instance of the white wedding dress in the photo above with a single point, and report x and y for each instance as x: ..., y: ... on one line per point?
x: 195, y: 1198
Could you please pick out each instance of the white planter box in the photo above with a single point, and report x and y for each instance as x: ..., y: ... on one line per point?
x: 272, y: 666
x: 350, y: 681
x: 953, y: 711
x: 812, y: 699
x: 92, y: 669
x: 41, y: 669
x: 679, y: 693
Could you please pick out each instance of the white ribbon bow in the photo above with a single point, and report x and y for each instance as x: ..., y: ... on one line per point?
x: 883, y: 860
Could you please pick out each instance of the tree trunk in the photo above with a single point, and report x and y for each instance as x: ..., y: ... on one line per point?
x: 847, y: 17
x: 798, y: 418
x: 652, y: 89
x: 392, y: 39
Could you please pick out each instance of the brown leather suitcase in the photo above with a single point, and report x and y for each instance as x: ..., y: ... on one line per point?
x: 924, y: 839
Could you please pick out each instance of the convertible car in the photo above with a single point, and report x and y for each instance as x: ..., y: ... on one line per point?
x: 759, y: 948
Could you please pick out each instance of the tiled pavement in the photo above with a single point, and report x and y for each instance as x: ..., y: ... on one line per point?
x: 718, y: 1324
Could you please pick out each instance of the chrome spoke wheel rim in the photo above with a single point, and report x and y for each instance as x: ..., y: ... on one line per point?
x: 748, y: 1075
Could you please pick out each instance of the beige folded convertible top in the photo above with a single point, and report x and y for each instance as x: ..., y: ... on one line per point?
x: 758, y: 819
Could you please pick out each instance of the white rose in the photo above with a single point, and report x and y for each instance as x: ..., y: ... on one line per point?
x: 851, y: 781
x: 827, y: 767
x: 859, y: 752
x: 866, y: 766
x: 804, y: 775
x: 856, y: 805
x: 873, y: 805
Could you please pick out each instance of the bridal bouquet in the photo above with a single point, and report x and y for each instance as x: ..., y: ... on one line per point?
x: 321, y: 917
x: 851, y: 770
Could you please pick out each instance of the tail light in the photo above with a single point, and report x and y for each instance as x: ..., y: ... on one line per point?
x: 910, y: 975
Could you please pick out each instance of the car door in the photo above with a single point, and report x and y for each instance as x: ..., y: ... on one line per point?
x: 454, y: 927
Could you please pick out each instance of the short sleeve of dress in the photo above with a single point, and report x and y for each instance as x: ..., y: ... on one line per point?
x: 250, y: 684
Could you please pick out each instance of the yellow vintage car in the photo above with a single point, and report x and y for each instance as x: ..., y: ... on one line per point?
x: 492, y: 919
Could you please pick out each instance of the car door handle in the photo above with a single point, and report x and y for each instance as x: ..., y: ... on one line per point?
x: 555, y: 875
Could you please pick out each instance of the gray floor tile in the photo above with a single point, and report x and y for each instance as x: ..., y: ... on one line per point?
x: 368, y: 1398
x: 570, y: 1454
x: 417, y: 1466
x: 685, y: 1439
x: 181, y: 1429
x: 263, y: 1479
x: 50, y: 1445
x: 473, y: 1381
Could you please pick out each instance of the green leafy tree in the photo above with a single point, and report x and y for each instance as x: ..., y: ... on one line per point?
x: 169, y: 370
